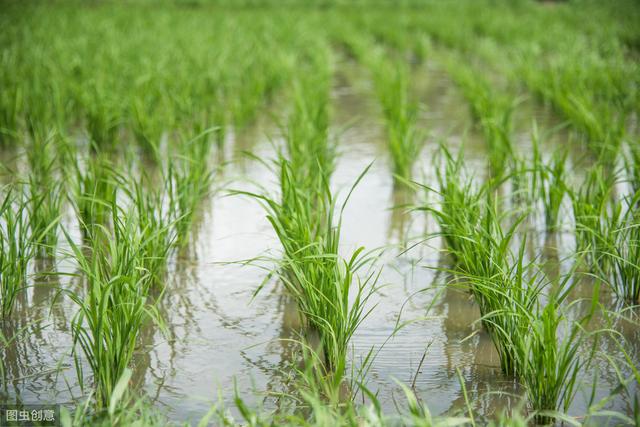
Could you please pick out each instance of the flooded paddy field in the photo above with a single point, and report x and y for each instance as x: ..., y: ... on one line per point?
x: 180, y: 214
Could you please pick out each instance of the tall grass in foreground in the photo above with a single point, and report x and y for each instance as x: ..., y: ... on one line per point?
x: 16, y: 247
x: 115, y: 307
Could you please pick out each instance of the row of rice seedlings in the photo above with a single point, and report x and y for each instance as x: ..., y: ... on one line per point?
x: 508, y: 291
x: 135, y: 89
x: 491, y: 109
x: 603, y: 124
x: 327, y: 289
x: 585, y: 75
x: 391, y: 80
x: 16, y: 247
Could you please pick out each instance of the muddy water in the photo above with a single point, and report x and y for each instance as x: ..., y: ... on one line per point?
x: 220, y: 336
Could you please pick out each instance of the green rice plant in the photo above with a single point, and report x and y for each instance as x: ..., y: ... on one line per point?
x: 45, y: 194
x: 590, y: 204
x: 391, y: 79
x: 505, y: 287
x: 491, y: 109
x: 147, y: 125
x: 618, y: 243
x: 189, y: 178
x: 116, y: 306
x: 328, y: 292
x: 460, y: 205
x: 102, y: 119
x: 507, y: 300
x: 10, y: 109
x: 16, y: 247
x: 156, y: 228
x: 632, y: 166
x: 94, y: 191
x: 548, y: 183
x: 553, y: 356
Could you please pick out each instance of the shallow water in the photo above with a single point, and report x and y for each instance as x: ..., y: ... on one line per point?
x: 220, y: 336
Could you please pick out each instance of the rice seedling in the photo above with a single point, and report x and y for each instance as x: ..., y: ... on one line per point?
x: 157, y: 229
x: 491, y: 109
x: 94, y: 191
x: 45, y: 195
x: 391, y: 80
x: 548, y: 181
x: 189, y: 179
x: 618, y: 243
x: 632, y: 166
x: 553, y: 356
x: 16, y: 247
x: 115, y: 306
x: 102, y: 118
x: 507, y: 301
x: 327, y: 289
x: 590, y: 204
x: 505, y: 287
x: 460, y: 205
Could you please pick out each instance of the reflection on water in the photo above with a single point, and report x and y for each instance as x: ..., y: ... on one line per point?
x: 216, y: 333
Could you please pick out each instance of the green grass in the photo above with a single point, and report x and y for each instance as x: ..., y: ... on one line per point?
x: 116, y: 303
x: 400, y: 110
x: 16, y: 247
x: 328, y: 291
x: 553, y: 357
x: 93, y: 192
x: 189, y: 177
x: 46, y: 194
x: 492, y: 110
x: 107, y: 119
x: 549, y: 181
x: 618, y: 241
